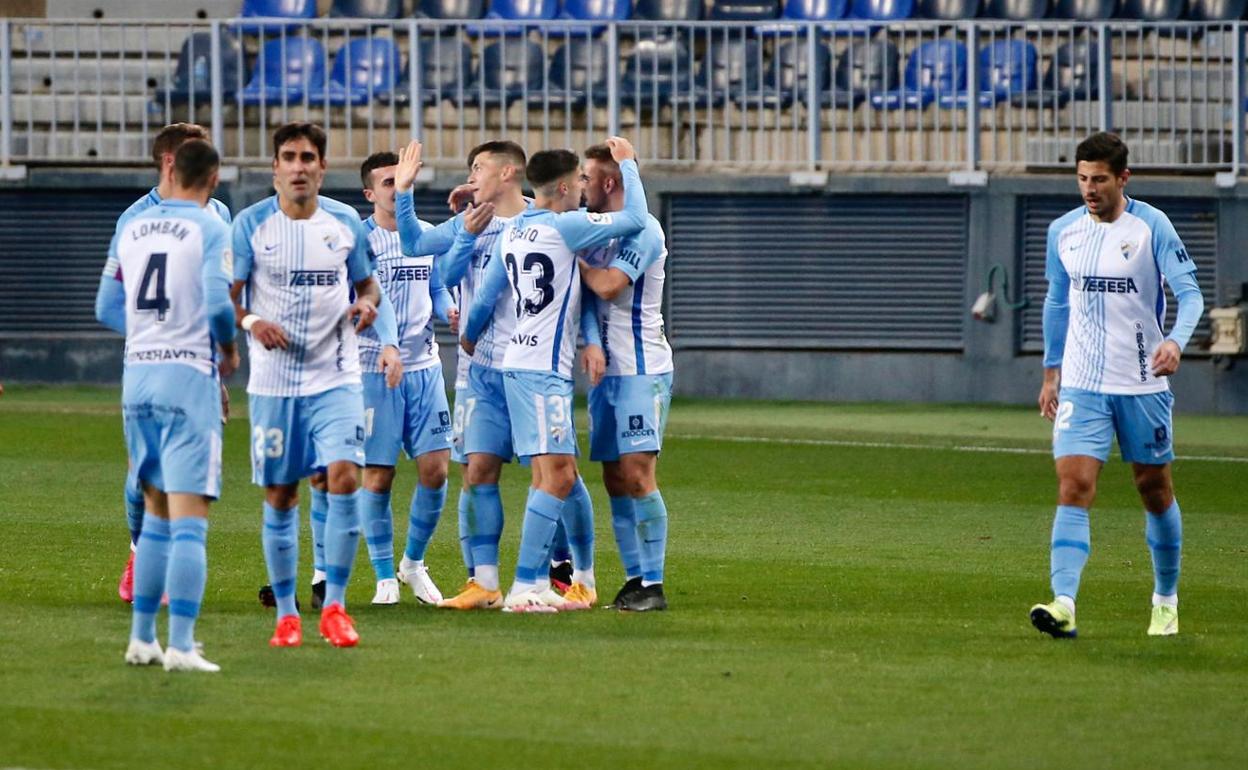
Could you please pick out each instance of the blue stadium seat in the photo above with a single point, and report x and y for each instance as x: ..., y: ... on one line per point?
x: 1006, y: 67
x: 881, y: 10
x: 1153, y: 10
x: 531, y: 11
x: 948, y: 10
x: 1072, y: 74
x: 863, y: 69
x: 578, y: 74
x: 1085, y: 10
x: 1016, y: 10
x: 597, y: 10
x: 450, y: 9
x: 286, y: 70
x: 668, y: 10
x: 444, y: 63
x: 363, y: 70
x: 295, y: 10
x: 806, y: 10
x: 730, y: 68
x: 785, y: 76
x: 509, y: 70
x: 656, y: 71
x: 192, y: 80
x: 743, y: 10
x: 934, y: 69
x: 1215, y: 10
x: 366, y: 9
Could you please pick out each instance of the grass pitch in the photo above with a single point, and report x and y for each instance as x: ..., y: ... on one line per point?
x: 849, y: 588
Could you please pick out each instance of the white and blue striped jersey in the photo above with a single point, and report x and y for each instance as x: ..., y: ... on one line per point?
x: 1114, y: 275
x: 299, y: 275
x: 631, y: 325
x: 152, y: 198
x: 405, y: 280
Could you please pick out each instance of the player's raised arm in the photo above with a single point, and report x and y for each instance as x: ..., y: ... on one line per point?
x: 413, y: 238
x: 586, y: 230
x: 456, y: 261
x: 492, y: 285
x: 1056, y: 319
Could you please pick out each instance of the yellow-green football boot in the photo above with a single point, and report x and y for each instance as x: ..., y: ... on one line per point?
x: 1165, y: 621
x: 1054, y: 619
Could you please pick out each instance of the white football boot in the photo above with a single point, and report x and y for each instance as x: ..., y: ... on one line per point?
x: 176, y: 660
x: 529, y: 600
x: 141, y: 653
x: 387, y: 592
x: 416, y: 575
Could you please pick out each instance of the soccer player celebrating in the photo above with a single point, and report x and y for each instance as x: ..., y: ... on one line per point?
x: 174, y: 261
x: 1106, y: 361
x: 536, y: 256
x: 294, y: 254
x: 164, y: 147
x: 628, y: 409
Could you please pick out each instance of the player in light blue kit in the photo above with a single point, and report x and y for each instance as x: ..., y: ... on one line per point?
x: 1106, y: 361
x: 166, y: 144
x: 297, y: 255
x: 173, y: 259
x: 628, y: 409
x: 536, y: 257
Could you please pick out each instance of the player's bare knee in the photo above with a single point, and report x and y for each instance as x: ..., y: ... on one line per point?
x: 1155, y: 488
x: 378, y: 478
x: 558, y: 479
x: 1076, y: 491
x: 482, y: 470
x: 282, y: 497
x: 344, y: 478
x: 637, y: 473
x: 319, y: 481
x: 432, y: 469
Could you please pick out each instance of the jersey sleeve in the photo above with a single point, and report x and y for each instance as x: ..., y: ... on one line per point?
x: 110, y: 304
x: 1055, y: 318
x: 438, y: 293
x: 216, y: 281
x: 241, y: 232
x: 360, y: 260
x: 414, y: 239
x: 222, y: 210
x: 587, y: 230
x: 1168, y: 251
x: 1191, y: 306
x: 638, y: 252
x: 590, y: 333
x: 455, y: 262
x: 492, y: 285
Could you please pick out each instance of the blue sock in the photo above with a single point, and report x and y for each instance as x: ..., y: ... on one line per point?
x: 1165, y: 538
x: 624, y: 522
x: 1071, y: 546
x: 540, y: 516
x: 379, y: 529
x: 134, y: 513
x: 151, y: 560
x: 280, y: 539
x: 426, y: 510
x: 560, y: 549
x: 188, y: 571
x: 342, y: 540
x: 320, y: 509
x: 485, y: 524
x: 465, y: 534
x: 652, y: 532
x: 578, y: 518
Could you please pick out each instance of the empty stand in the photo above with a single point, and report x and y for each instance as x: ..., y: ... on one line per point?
x: 862, y: 70
x: 363, y: 70
x: 578, y: 75
x: 935, y: 69
x: 366, y: 9
x: 286, y: 70
x: 450, y: 9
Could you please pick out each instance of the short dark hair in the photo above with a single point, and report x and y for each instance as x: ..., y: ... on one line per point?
x: 375, y: 161
x: 194, y: 164
x: 291, y: 131
x: 171, y: 137
x: 510, y: 150
x: 602, y: 154
x: 1104, y: 146
x: 550, y: 165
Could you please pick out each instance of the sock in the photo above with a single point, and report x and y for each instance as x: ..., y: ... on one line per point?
x: 485, y: 525
x: 585, y: 577
x: 540, y: 516
x: 624, y: 522
x: 342, y: 540
x: 578, y: 519
x: 560, y: 550
x: 465, y: 535
x: 487, y: 576
x: 280, y: 539
x: 426, y: 510
x: 134, y: 513
x: 320, y: 509
x: 188, y: 571
x: 1070, y: 548
x: 151, y: 560
x: 1165, y: 539
x: 652, y: 532
x: 379, y: 529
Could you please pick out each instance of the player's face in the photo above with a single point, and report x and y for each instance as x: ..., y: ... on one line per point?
x: 298, y: 170
x: 596, y: 178
x: 489, y: 174
x: 572, y: 190
x: 380, y: 192
x: 1099, y: 187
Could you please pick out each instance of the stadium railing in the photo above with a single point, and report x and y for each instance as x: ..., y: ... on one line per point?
x: 909, y: 96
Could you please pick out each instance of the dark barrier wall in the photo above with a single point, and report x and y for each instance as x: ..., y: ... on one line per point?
x: 858, y: 290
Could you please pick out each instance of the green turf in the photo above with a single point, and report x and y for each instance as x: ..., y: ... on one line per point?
x: 832, y: 606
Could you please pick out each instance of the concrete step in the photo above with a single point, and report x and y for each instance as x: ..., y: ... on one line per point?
x: 143, y: 9
x: 89, y: 75
x: 114, y: 39
x: 109, y: 110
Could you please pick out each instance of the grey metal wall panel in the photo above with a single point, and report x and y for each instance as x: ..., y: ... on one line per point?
x: 1195, y: 219
x: 817, y: 272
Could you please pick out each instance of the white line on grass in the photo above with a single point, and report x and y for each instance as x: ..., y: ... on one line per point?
x: 1006, y: 450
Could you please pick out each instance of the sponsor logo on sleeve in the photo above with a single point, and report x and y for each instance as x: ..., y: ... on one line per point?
x: 598, y: 219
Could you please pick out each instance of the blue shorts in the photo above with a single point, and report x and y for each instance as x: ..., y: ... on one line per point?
x: 172, y: 419
x: 541, y: 413
x: 413, y: 416
x: 292, y: 437
x: 458, y: 455
x: 1087, y: 422
x: 628, y: 414
x: 486, y: 417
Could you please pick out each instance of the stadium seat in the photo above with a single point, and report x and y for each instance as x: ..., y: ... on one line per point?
x: 510, y: 70
x: 1085, y: 10
x: 743, y: 10
x: 881, y: 10
x: 295, y: 10
x: 806, y: 10
x: 935, y: 68
x: 1153, y: 10
x: 530, y: 11
x: 730, y: 68
x: 597, y: 10
x: 445, y: 63
x: 192, y: 80
x: 861, y: 70
x: 1215, y: 10
x: 578, y: 74
x: 366, y: 9
x: 1006, y: 67
x: 1072, y: 74
x: 656, y: 71
x: 363, y: 70
x: 947, y: 10
x: 1016, y: 10
x: 286, y: 70
x: 785, y: 75
x: 450, y: 9
x: 668, y: 10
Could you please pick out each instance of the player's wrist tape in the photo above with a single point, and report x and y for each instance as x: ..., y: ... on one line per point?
x: 249, y: 321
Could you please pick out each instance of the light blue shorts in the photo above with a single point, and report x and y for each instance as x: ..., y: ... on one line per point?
x: 541, y: 413
x: 1087, y: 422
x: 458, y: 455
x: 628, y: 414
x: 172, y: 419
x: 486, y: 417
x: 412, y: 416
x: 292, y: 437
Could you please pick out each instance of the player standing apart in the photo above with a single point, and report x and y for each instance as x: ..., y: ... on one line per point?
x: 174, y: 261
x: 1106, y: 361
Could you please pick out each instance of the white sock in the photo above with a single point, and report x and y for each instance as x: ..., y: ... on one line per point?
x: 648, y: 583
x: 584, y: 577
x: 1166, y: 601
x: 542, y: 584
x: 1066, y: 602
x: 519, y: 587
x: 318, y: 576
x: 486, y: 576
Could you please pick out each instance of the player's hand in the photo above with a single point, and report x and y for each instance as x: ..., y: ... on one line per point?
x: 225, y: 401
x: 621, y: 149
x: 391, y: 365
x: 461, y: 197
x: 269, y: 334
x: 1048, y: 396
x: 468, y: 345
x: 362, y: 313
x: 409, y: 166
x: 477, y: 218
x: 594, y: 363
x: 1166, y: 359
x: 452, y: 318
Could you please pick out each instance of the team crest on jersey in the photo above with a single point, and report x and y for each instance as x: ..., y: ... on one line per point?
x: 1126, y: 247
x: 598, y: 219
x: 331, y: 241
x: 227, y: 262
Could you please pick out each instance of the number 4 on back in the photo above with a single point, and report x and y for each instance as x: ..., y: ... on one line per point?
x: 153, y: 297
